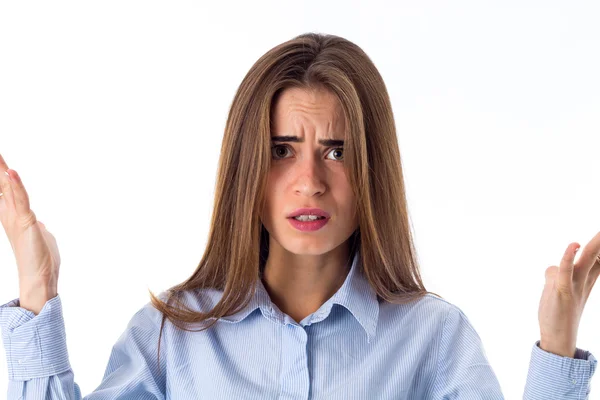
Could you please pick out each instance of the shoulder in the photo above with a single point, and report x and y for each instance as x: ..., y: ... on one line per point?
x: 445, y: 308
x: 454, y: 321
x: 428, y: 305
x: 428, y: 313
x: 450, y: 313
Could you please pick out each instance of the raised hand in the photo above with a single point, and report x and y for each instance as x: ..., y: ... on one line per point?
x: 565, y: 293
x: 35, y: 249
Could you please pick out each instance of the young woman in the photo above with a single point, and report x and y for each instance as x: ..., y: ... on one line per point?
x: 309, y: 287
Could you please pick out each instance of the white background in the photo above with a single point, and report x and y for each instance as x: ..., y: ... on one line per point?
x: 113, y: 113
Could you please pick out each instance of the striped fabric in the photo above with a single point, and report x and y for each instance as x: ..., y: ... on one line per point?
x: 352, y: 347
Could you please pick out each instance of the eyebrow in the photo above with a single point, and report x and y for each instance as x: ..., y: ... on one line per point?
x: 296, y: 139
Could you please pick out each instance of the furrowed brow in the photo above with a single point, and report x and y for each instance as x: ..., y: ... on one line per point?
x: 296, y: 139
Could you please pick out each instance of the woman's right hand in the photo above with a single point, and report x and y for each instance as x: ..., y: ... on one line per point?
x: 35, y: 249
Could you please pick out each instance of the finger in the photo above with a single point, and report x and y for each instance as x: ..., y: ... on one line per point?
x: 590, y: 253
x: 3, y: 176
x: 3, y: 165
x: 21, y: 198
x: 594, y: 273
x: 591, y: 279
x: 7, y: 193
x: 596, y: 266
x: 565, y: 270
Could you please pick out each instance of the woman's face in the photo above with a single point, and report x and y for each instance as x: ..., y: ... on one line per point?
x: 307, y: 174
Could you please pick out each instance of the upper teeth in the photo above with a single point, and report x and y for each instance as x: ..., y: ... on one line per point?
x: 307, y: 217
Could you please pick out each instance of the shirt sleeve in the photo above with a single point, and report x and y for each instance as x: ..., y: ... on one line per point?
x: 463, y: 370
x: 38, y: 360
x: 554, y: 376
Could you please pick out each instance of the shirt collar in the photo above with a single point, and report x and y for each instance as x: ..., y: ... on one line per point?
x: 355, y: 294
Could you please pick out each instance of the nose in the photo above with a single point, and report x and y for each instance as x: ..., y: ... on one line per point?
x: 310, y: 180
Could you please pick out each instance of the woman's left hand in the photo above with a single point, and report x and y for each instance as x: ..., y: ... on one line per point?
x: 565, y: 293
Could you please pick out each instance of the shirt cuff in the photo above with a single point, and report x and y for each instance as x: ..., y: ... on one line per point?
x: 559, y: 376
x: 35, y: 345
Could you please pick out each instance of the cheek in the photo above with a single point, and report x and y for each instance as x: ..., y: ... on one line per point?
x: 276, y: 184
x: 270, y: 188
x: 344, y: 192
x: 273, y: 196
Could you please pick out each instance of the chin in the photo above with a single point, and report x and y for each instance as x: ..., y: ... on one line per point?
x: 309, y: 246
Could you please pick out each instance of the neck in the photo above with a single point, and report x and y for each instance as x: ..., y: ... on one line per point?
x: 299, y: 284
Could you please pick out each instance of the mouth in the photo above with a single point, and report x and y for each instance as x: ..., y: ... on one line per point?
x: 307, y: 220
x: 308, y: 225
x: 309, y: 212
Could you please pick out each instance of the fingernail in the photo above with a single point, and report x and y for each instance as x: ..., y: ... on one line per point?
x: 577, y: 249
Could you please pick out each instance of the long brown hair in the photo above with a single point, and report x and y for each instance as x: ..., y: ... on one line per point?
x: 237, y: 246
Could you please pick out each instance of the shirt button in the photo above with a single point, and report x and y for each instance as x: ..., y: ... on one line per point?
x: 574, y: 381
x: 20, y: 361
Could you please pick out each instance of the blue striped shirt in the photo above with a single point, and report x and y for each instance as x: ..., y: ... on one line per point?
x: 352, y: 347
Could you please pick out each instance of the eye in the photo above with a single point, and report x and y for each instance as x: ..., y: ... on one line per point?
x: 278, y: 151
x: 338, y: 149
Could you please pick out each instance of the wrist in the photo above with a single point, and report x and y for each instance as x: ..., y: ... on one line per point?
x: 558, y: 349
x: 34, y: 296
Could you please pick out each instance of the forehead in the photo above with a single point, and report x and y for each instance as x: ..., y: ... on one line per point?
x: 301, y: 109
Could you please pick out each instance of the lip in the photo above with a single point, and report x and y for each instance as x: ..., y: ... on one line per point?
x: 308, y: 226
x: 309, y: 211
